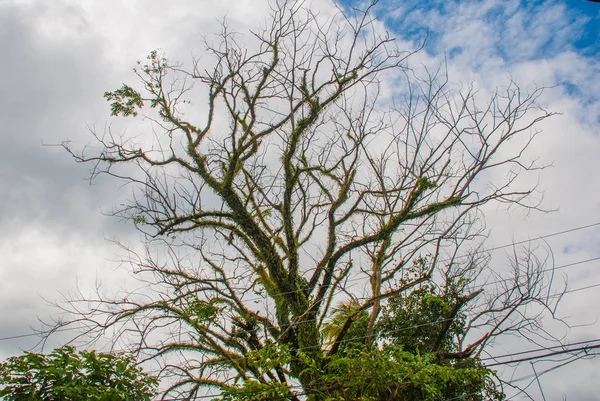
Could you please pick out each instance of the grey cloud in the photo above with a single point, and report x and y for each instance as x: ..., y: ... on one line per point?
x: 48, y: 91
x: 50, y: 220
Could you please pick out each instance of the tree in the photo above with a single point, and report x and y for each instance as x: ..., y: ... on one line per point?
x: 304, y: 180
x: 66, y: 374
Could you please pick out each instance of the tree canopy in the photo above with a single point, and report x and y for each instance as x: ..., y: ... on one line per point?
x: 317, y: 232
x: 68, y: 375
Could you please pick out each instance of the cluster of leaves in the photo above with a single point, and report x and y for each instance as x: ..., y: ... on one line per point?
x: 68, y: 375
x: 404, y: 363
x: 390, y: 373
x: 415, y: 320
x: 253, y: 390
x: 356, y: 331
x: 368, y: 373
x: 406, y: 359
x: 201, y: 312
x: 125, y: 101
x: 269, y: 357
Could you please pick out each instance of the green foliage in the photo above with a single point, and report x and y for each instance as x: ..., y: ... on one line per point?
x: 424, y: 184
x: 253, y: 390
x: 269, y: 357
x: 201, y: 311
x: 125, y: 101
x: 414, y: 320
x: 390, y: 373
x: 68, y: 375
x: 356, y: 332
x: 405, y: 361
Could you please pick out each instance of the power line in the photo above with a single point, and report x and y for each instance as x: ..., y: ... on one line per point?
x: 32, y: 334
x: 579, y: 262
x: 570, y: 230
x: 563, y: 351
x: 509, y: 279
x: 511, y: 354
x: 546, y: 355
x: 536, y: 376
x: 587, y: 287
x: 405, y: 328
x: 18, y: 336
x: 585, y: 348
x: 574, y: 229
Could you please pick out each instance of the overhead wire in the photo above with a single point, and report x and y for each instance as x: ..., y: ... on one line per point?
x: 509, y: 279
x: 496, y: 363
x: 405, y: 328
x: 524, y: 359
x: 578, y: 228
x: 511, y: 354
x: 563, y: 351
x: 554, y: 234
x: 32, y: 334
x: 584, y: 348
x: 536, y: 375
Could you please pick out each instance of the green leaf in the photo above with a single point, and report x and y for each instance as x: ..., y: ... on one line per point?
x: 66, y: 374
x: 125, y: 101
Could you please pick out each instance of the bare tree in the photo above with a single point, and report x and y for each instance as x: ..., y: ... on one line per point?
x: 305, y: 184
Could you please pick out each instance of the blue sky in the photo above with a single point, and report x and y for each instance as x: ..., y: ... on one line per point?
x: 588, y: 41
x: 582, y: 15
x: 490, y: 37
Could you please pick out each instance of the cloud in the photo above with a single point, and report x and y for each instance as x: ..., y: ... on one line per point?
x: 535, y: 44
x: 59, y: 57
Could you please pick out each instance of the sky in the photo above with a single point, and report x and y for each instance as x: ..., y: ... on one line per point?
x: 60, y: 56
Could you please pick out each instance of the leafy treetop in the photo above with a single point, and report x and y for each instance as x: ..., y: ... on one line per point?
x: 67, y: 375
